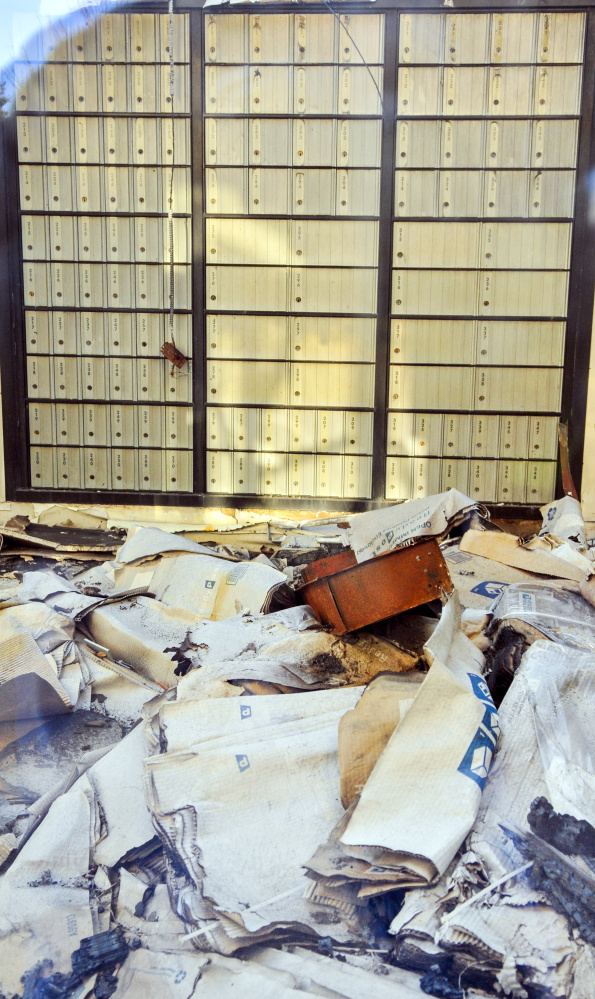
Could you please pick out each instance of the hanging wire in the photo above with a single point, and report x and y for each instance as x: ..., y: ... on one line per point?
x: 170, y: 206
x: 357, y: 49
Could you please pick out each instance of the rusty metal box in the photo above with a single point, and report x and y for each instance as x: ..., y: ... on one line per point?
x: 347, y: 595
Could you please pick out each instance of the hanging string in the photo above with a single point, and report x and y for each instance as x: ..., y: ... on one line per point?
x: 170, y: 205
x: 357, y: 49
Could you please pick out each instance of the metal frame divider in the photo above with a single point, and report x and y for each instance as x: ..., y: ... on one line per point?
x: 196, y: 33
x: 385, y: 251
x: 15, y: 415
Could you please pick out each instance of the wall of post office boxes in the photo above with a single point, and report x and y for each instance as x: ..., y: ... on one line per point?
x: 418, y: 220
x: 102, y: 149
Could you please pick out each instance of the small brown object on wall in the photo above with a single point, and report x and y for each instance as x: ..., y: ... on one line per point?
x: 174, y: 355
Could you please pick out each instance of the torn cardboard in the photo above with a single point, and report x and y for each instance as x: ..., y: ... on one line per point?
x: 59, y: 538
x: 148, y: 542
x: 365, y: 730
x: 509, y: 550
x: 479, y: 580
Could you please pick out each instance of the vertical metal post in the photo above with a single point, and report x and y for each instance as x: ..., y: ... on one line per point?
x: 387, y: 184
x: 198, y: 262
x: 12, y: 329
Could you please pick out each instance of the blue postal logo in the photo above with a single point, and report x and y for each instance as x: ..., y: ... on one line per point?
x: 243, y: 762
x: 245, y: 710
x: 171, y: 973
x: 476, y: 761
x: 489, y: 588
x: 481, y: 689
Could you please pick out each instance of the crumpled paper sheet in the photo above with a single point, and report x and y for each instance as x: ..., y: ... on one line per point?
x: 380, y: 531
x: 514, y: 924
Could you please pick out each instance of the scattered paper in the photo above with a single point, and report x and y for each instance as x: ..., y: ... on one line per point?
x: 538, y: 611
x: 143, y: 633
x: 289, y: 647
x: 153, y: 975
x: 145, y: 912
x: 564, y: 519
x: 560, y: 685
x: 423, y: 794
x: 246, y: 808
x: 57, y: 593
x: 268, y: 796
x: 44, y: 906
x: 208, y: 587
x: 340, y: 978
x: 117, y: 780
x: 29, y: 686
x: 564, y: 550
x: 513, y: 928
x: 382, y: 531
x: 148, y: 542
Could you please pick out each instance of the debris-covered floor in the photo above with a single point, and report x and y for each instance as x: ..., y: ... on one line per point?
x: 345, y: 757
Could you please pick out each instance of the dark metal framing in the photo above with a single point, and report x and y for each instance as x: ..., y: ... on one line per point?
x: 582, y: 275
x: 198, y: 244
x: 385, y: 241
x: 581, y: 290
x: 14, y: 407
